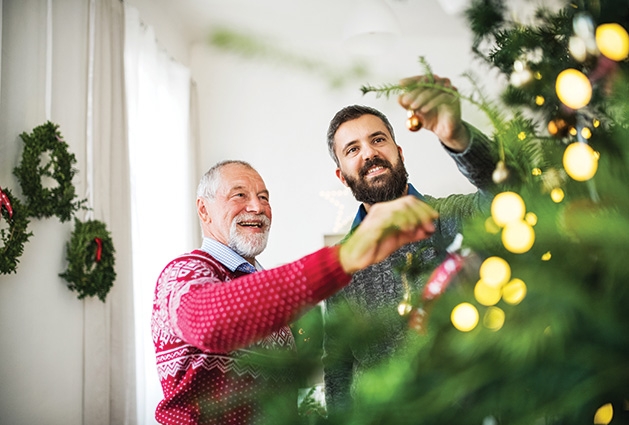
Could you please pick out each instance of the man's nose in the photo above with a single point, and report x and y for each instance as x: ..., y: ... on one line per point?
x: 368, y: 152
x: 254, y: 204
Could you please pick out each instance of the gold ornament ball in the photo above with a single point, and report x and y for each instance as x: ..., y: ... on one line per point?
x: 573, y: 88
x: 613, y: 41
x: 580, y: 161
x: 558, y: 127
x: 414, y: 122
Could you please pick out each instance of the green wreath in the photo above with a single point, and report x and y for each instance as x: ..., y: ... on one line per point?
x: 13, y: 238
x: 42, y: 201
x: 90, y: 255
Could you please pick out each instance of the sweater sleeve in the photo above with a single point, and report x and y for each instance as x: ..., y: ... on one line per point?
x: 478, y: 161
x: 220, y: 316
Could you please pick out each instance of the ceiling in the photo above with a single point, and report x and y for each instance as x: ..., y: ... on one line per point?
x: 308, y: 22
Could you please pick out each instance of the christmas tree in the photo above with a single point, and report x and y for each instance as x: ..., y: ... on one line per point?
x: 535, y: 327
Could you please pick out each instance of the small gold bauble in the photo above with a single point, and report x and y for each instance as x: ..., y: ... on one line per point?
x: 414, y: 122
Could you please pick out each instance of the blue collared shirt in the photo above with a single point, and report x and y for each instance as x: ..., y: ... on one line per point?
x: 228, y: 257
x: 362, y: 212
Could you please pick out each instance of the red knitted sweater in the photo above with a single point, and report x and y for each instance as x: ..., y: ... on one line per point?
x: 208, y: 324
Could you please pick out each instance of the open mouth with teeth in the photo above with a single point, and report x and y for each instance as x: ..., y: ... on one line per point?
x: 375, y: 170
x: 258, y: 224
x: 254, y: 225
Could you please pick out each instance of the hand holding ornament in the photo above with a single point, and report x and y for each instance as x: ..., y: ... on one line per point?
x: 433, y: 103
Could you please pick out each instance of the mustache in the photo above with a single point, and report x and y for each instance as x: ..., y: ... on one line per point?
x: 374, y: 162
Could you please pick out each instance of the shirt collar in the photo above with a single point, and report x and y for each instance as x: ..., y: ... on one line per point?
x: 227, y: 256
x: 362, y: 212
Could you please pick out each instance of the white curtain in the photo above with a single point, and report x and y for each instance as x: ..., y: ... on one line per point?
x: 162, y: 182
x: 109, y: 369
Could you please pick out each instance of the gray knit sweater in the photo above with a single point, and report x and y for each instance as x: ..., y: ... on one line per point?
x: 368, y: 305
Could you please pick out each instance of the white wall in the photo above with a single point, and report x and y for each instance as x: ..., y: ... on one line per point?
x: 42, y: 323
x: 276, y: 116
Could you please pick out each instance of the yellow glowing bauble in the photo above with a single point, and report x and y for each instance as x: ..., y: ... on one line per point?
x: 573, y: 88
x: 514, y: 292
x: 507, y: 207
x: 518, y: 237
x: 612, y: 40
x: 604, y: 414
x: 580, y: 161
x: 531, y: 218
x: 494, y: 318
x: 487, y: 294
x: 495, y: 271
x: 557, y: 195
x: 464, y: 317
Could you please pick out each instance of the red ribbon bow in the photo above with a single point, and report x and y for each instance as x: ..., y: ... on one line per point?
x: 99, y: 249
x: 6, y: 203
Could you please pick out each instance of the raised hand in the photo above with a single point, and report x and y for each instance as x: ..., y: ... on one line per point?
x: 438, y: 107
x: 387, y: 227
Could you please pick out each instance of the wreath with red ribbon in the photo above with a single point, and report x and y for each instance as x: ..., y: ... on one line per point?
x: 90, y: 256
x: 13, y: 238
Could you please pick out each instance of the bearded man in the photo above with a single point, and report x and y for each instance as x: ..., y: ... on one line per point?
x: 219, y: 320
x: 362, y: 324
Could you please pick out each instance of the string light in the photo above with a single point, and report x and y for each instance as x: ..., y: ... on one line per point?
x: 495, y: 271
x: 547, y: 256
x: 604, y: 414
x: 514, y: 292
x: 494, y: 318
x: 557, y: 195
x: 586, y: 133
x: 580, y: 161
x: 507, y: 207
x: 531, y: 218
x: 573, y: 88
x: 612, y: 40
x: 464, y: 317
x: 518, y: 236
x: 487, y: 294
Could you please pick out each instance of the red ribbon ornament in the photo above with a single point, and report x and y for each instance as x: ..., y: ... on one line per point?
x: 437, y: 284
x: 99, y: 249
x: 6, y: 203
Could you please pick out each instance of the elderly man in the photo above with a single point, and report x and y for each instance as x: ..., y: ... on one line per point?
x: 362, y: 143
x: 218, y: 317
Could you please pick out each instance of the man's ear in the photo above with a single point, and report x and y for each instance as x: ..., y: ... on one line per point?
x: 339, y: 175
x: 202, y: 211
x: 399, y: 149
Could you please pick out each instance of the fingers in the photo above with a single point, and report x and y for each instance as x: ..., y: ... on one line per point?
x: 424, y: 99
x: 387, y: 227
x: 406, y: 215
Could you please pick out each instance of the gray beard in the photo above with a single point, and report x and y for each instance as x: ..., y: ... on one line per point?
x: 248, y: 246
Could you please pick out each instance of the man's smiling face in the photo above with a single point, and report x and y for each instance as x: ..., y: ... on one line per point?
x: 240, y: 215
x: 371, y: 164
